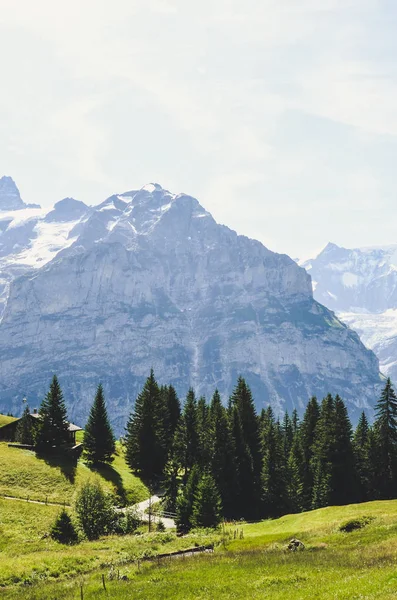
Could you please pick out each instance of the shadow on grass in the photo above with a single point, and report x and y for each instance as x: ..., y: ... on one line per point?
x: 111, y: 475
x: 65, y: 463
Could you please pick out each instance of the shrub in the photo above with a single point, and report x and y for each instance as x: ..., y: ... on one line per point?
x: 354, y: 524
x: 94, y: 510
x: 63, y: 530
x: 160, y: 526
x: 126, y: 522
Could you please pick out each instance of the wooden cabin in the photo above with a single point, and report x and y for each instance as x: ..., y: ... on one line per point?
x: 8, y: 431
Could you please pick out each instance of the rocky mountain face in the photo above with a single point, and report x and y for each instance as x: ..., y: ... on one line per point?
x: 10, y: 198
x: 149, y: 279
x: 361, y: 286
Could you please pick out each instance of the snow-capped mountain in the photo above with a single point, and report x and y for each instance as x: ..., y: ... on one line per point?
x: 149, y: 279
x: 360, y: 285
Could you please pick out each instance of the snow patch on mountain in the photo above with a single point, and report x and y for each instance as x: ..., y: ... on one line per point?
x: 360, y: 285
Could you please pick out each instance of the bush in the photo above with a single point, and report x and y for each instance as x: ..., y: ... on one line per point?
x: 355, y: 524
x: 94, y: 510
x: 126, y: 522
x: 63, y: 530
x: 160, y: 526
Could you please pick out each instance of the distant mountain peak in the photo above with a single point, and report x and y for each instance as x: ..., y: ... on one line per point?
x: 10, y: 198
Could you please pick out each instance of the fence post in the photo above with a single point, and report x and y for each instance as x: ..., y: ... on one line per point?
x: 81, y: 592
x: 103, y: 582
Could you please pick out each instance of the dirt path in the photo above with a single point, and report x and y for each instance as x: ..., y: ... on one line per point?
x: 142, y: 508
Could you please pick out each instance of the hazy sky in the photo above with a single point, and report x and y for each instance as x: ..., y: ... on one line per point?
x: 280, y: 116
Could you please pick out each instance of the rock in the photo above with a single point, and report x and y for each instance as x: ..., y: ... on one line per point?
x: 295, y: 545
x: 149, y: 279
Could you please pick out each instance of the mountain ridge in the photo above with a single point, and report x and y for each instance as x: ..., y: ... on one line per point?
x: 146, y: 279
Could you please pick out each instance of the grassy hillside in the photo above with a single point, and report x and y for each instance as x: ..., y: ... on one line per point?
x: 23, y: 474
x: 334, y: 565
x: 4, y: 420
x: 28, y: 556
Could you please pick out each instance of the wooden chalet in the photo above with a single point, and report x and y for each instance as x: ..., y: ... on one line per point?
x: 8, y: 431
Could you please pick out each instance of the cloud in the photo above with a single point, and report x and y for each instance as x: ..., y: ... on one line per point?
x: 281, y: 102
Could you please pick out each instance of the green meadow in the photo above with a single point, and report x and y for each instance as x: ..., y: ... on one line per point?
x: 23, y: 474
x: 250, y: 560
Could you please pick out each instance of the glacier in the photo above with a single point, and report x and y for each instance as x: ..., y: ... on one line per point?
x: 360, y: 285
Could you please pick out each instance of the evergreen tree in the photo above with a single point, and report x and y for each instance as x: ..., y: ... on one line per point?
x: 288, y: 434
x: 99, y: 440
x: 145, y: 436
x: 295, y: 476
x: 385, y: 430
x: 295, y: 422
x: 204, y: 435
x: 322, y: 454
x: 63, y: 530
x: 361, y: 448
x: 207, y: 505
x: 173, y: 410
x: 274, y: 483
x: 344, y: 478
x: 184, y: 503
x: 222, y: 466
x: 26, y: 430
x: 244, y: 492
x: 171, y: 484
x: 53, y: 425
x: 307, y: 435
x: 188, y: 433
x: 243, y: 403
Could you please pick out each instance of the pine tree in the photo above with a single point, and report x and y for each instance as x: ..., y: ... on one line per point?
x: 361, y: 449
x: 274, y: 482
x: 63, y: 530
x: 171, y: 482
x: 207, y: 505
x: 295, y: 422
x: 242, y: 401
x: 53, y: 425
x: 174, y: 411
x: 322, y: 452
x: 222, y: 466
x: 244, y: 492
x: 288, y: 435
x: 26, y: 430
x: 99, y: 440
x: 184, y: 503
x: 294, y: 476
x: 344, y: 478
x: 385, y: 430
x: 307, y: 435
x: 191, y: 433
x: 145, y: 436
x: 204, y: 436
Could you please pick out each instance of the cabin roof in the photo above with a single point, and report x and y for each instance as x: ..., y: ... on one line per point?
x: 71, y: 426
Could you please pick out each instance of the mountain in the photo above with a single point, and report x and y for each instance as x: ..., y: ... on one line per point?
x: 10, y: 198
x: 361, y: 286
x: 148, y: 279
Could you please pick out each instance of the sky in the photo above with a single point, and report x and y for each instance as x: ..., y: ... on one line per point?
x: 280, y: 116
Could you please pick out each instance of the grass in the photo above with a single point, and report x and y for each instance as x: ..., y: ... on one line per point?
x: 360, y: 565
x: 4, y: 420
x: 28, y: 556
x: 23, y: 474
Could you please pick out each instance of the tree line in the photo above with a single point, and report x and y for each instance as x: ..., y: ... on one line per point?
x: 229, y: 461
x: 215, y: 461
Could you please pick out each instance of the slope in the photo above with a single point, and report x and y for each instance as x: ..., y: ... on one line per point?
x: 334, y: 564
x: 24, y: 475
